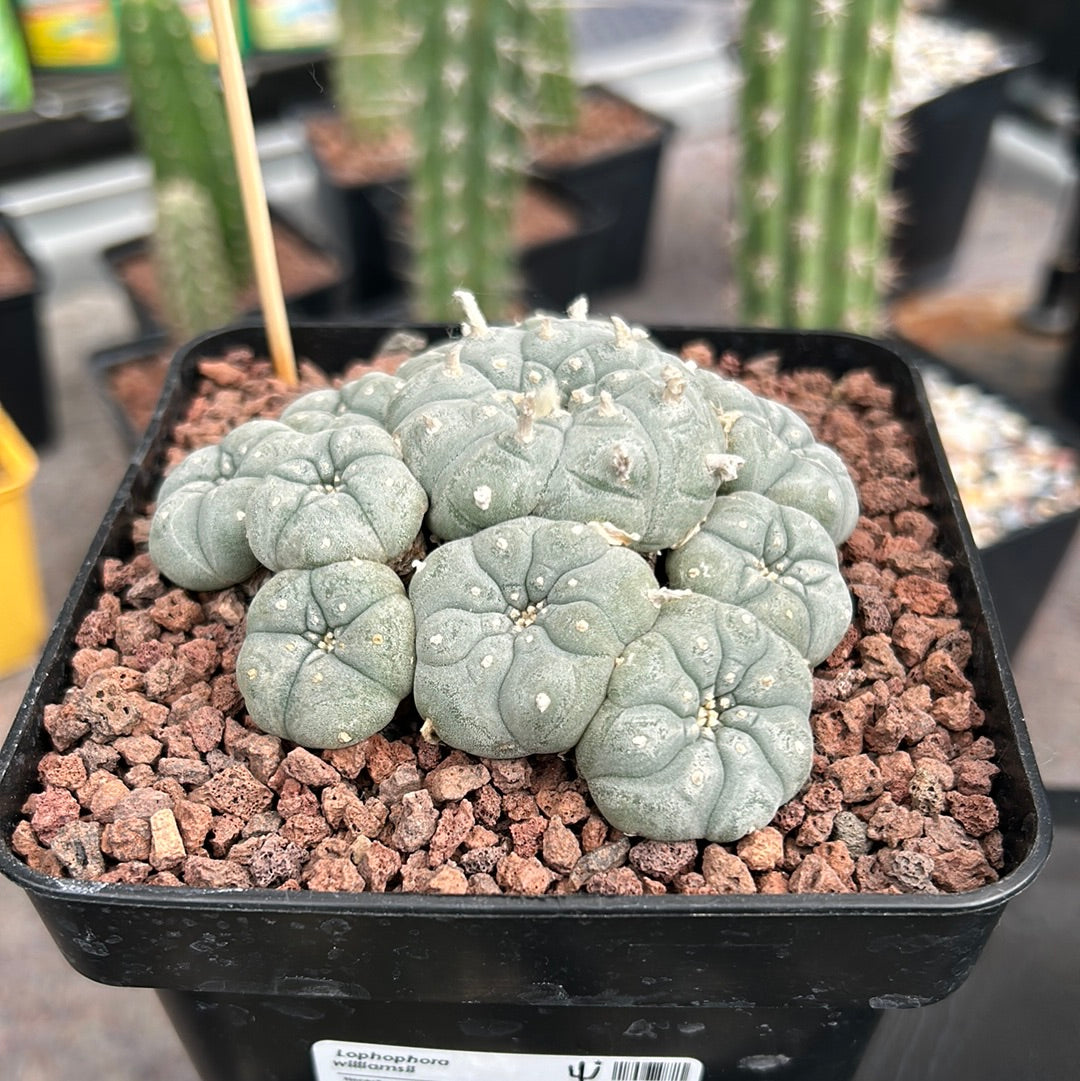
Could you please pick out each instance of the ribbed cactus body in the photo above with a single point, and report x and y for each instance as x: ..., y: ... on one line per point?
x: 468, y: 127
x: 815, y: 168
x: 179, y: 114
x: 367, y: 66
x: 190, y: 262
x: 551, y: 54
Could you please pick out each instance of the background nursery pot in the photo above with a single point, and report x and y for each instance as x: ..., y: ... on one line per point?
x: 621, y: 178
x: 254, y: 979
x: 24, y: 379
x: 312, y: 277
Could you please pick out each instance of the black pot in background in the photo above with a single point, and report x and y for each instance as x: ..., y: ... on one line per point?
x: 254, y: 979
x: 105, y: 363
x: 553, y: 272
x: 623, y: 184
x: 935, y: 179
x: 25, y: 386
x: 1019, y: 567
x: 319, y: 302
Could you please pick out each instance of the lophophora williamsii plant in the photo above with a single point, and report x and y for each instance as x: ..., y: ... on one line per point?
x: 609, y: 552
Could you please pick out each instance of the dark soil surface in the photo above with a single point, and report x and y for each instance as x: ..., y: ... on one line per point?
x: 157, y: 776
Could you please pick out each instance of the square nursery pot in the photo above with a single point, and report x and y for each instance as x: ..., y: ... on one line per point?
x: 25, y: 388
x: 561, y: 244
x: 355, y: 212
x: 302, y: 985
x: 312, y: 277
x: 617, y: 175
x: 935, y: 179
x: 1021, y: 562
x: 129, y: 376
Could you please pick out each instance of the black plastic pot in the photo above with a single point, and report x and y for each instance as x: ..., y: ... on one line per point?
x: 791, y: 984
x: 552, y: 272
x: 356, y: 218
x: 623, y: 185
x: 1021, y: 566
x: 107, y: 362
x: 936, y: 178
x: 319, y: 302
x: 25, y: 387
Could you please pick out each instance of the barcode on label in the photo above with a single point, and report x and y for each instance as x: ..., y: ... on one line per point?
x: 650, y: 1071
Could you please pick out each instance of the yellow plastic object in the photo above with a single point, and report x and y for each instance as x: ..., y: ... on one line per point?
x: 22, y: 600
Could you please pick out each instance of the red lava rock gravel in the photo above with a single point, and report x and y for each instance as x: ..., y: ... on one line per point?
x: 156, y: 776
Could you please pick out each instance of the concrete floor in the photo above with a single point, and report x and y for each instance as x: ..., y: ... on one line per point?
x: 58, y: 1024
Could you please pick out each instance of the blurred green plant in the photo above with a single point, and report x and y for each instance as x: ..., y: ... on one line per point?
x: 817, y: 153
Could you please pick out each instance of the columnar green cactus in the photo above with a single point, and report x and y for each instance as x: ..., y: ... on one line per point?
x: 367, y: 66
x: 551, y: 58
x: 190, y: 263
x: 179, y: 115
x: 469, y: 133
x: 815, y: 161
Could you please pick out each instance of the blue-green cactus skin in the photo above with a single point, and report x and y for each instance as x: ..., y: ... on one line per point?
x: 560, y: 418
x: 518, y: 627
x: 198, y: 533
x: 329, y: 653
x: 344, y: 493
x: 775, y: 561
x: 705, y: 730
x: 780, y: 456
x: 356, y: 402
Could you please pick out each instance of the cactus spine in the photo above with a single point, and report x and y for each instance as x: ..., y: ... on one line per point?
x: 367, y: 66
x: 816, y: 161
x: 179, y: 115
x: 190, y: 260
x: 469, y: 133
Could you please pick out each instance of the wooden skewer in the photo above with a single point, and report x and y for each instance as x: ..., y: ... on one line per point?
x: 256, y: 211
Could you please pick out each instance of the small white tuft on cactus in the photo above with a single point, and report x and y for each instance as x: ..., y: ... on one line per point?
x: 773, y: 44
x: 725, y: 466
x: 607, y: 405
x: 452, y: 364
x: 621, y: 462
x: 832, y: 10
x: 578, y: 309
x: 526, y: 410
x: 674, y: 385
x: 624, y: 337
x: 615, y: 536
x: 478, y: 325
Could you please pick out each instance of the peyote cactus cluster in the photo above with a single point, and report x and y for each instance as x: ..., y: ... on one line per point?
x: 609, y: 552
x: 180, y: 121
x: 817, y: 148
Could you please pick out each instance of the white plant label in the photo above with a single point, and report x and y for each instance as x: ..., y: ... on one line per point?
x: 338, y: 1060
